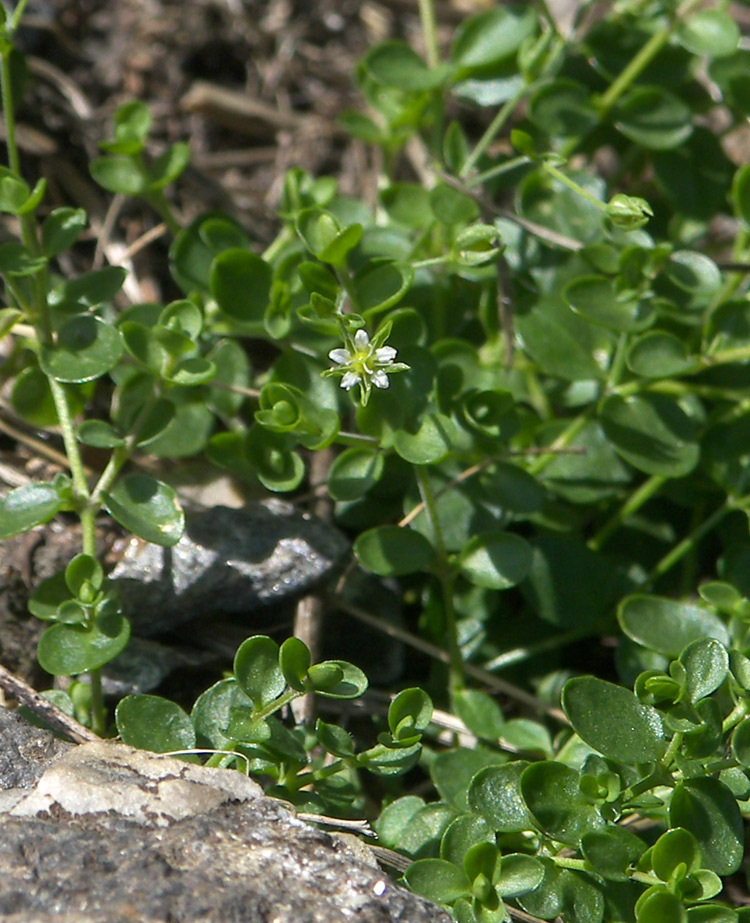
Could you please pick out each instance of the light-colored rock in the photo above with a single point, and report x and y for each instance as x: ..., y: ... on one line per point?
x: 109, y: 834
x: 95, y: 778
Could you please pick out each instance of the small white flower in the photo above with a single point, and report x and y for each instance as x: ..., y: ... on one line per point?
x: 361, y: 363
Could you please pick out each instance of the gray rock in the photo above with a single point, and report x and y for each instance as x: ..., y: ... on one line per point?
x: 25, y: 751
x: 109, y: 834
x: 229, y: 561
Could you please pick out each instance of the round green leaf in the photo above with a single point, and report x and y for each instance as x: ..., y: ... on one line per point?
x: 709, y: 32
x: 496, y: 560
x: 432, y: 441
x: 409, y: 713
x: 450, y: 206
x: 396, y: 818
x: 168, y: 166
x: 612, y: 852
x: 391, y: 551
x: 453, y: 770
x: 395, y: 64
x: 552, y: 794
x: 610, y: 719
x: 674, y: 848
x: 84, y: 577
x: 120, y: 174
x: 591, y: 472
x: 32, y: 399
x: 61, y: 229
x: 666, y: 625
x: 256, y: 668
x: 148, y: 508
x: 741, y: 743
x: 661, y: 907
x: 380, y: 285
x: 69, y: 650
x: 519, y: 874
x: 693, y: 272
x: 277, y: 467
x: 651, y: 432
x: 437, y: 880
x: 48, y: 597
x: 294, y: 661
x: 490, y: 37
x: 706, y: 664
x: 232, y: 368
x: 354, y: 472
x: 659, y: 355
x: 495, y: 793
x: 195, y: 247
x: 350, y: 683
x: 595, y: 299
x: 480, y: 713
x: 86, y: 348
x: 90, y: 289
x: 654, y: 118
x: 150, y: 722
x: 15, y: 260
x: 463, y: 833
x: 708, y: 809
x: 334, y: 740
x: 241, y: 284
x: 211, y: 712
x: 187, y: 430
x: 408, y: 203
x: 30, y: 505
x: 562, y: 108
x: 191, y: 372
x: 99, y: 434
x: 562, y: 343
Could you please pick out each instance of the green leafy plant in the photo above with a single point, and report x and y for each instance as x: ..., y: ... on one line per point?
x: 313, y: 767
x: 528, y: 367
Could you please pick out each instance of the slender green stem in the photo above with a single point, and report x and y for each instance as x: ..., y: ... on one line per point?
x: 645, y: 879
x: 634, y: 68
x: 14, y: 161
x: 686, y: 545
x: 16, y: 15
x: 736, y: 715
x: 519, y: 654
x: 283, y: 239
x: 643, y: 58
x: 572, y: 184
x: 98, y: 722
x: 631, y: 505
x: 719, y: 765
x: 674, y: 745
x: 498, y: 170
x: 563, y: 441
x: 356, y: 439
x: 429, y: 31
x: 492, y: 131
x: 638, y: 63
x: 568, y: 862
x: 447, y: 580
x: 158, y: 201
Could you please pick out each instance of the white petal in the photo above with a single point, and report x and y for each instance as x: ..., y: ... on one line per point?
x: 361, y: 340
x: 380, y: 379
x: 349, y: 380
x: 340, y: 356
x: 385, y: 354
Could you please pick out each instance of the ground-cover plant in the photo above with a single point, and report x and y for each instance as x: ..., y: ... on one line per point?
x: 529, y: 364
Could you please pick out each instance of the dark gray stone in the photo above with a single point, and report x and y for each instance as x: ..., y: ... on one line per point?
x: 109, y: 834
x: 25, y: 751
x: 229, y: 561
